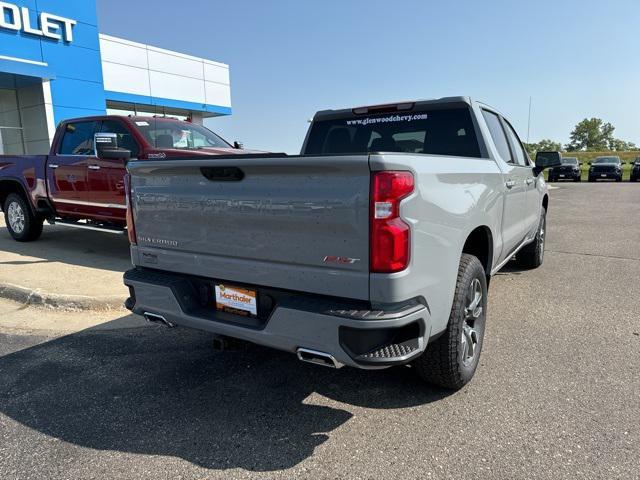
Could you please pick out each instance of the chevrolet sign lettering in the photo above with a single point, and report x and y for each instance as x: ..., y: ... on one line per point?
x: 48, y: 25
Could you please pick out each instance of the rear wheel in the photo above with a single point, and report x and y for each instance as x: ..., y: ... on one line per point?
x: 452, y: 359
x: 22, y: 224
x: 532, y: 255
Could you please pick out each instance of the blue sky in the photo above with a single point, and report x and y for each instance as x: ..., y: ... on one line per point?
x: 288, y: 59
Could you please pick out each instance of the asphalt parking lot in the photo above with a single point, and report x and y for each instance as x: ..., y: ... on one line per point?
x: 557, y: 394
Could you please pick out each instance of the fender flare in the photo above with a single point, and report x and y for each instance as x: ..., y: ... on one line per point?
x: 16, y: 181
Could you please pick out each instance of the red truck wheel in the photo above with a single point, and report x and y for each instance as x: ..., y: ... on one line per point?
x: 22, y: 224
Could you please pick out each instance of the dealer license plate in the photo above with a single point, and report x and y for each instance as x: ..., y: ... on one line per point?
x: 603, y: 174
x: 562, y: 175
x: 240, y: 301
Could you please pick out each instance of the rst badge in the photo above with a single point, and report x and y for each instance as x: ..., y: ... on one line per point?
x: 340, y: 260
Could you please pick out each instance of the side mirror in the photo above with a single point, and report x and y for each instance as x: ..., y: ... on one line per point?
x: 106, y: 147
x: 546, y: 160
x: 238, y: 145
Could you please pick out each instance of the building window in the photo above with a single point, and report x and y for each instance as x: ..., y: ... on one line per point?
x: 11, y: 132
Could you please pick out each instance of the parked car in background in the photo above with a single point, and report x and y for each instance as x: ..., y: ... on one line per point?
x: 569, y: 170
x: 81, y: 182
x: 606, y: 168
x: 372, y: 248
x: 635, y: 170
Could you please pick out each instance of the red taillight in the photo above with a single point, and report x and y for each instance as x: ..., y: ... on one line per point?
x: 131, y: 228
x: 390, y: 235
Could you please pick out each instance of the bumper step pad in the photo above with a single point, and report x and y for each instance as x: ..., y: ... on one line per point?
x: 391, y: 351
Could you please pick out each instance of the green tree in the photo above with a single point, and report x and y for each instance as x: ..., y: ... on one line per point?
x: 591, y: 134
x: 544, y: 145
x: 621, y: 146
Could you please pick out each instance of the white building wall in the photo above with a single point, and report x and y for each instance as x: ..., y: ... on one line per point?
x: 139, y: 69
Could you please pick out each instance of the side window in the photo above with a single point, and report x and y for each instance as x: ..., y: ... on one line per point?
x: 78, y: 138
x: 125, y: 138
x: 498, y: 135
x: 520, y: 153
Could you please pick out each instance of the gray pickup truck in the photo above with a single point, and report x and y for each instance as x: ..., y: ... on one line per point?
x: 373, y: 248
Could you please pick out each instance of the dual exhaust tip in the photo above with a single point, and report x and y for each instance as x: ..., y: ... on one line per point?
x: 155, y: 318
x: 317, y: 358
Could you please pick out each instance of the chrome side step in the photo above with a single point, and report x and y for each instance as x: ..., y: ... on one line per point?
x: 87, y: 226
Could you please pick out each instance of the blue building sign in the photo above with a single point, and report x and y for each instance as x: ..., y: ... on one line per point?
x: 54, y: 64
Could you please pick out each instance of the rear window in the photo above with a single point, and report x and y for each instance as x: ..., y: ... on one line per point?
x: 435, y: 131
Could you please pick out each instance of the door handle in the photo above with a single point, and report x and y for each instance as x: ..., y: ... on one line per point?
x: 529, y: 181
x: 510, y: 183
x: 53, y: 165
x: 94, y: 167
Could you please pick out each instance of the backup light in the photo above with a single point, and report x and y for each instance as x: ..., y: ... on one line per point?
x: 383, y: 210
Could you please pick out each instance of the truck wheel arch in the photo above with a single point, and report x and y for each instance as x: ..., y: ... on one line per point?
x: 479, y: 243
x: 12, y: 185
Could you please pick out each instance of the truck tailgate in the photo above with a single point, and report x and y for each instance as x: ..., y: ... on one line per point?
x: 296, y: 223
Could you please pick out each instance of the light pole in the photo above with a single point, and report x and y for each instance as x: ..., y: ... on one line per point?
x: 529, y: 122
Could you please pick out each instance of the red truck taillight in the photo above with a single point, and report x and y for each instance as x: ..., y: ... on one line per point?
x: 131, y: 228
x: 390, y: 235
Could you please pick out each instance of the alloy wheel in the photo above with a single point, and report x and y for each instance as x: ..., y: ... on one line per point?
x: 16, y: 217
x: 470, y: 327
x: 541, y: 237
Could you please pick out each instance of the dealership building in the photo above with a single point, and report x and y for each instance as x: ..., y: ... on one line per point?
x: 54, y: 65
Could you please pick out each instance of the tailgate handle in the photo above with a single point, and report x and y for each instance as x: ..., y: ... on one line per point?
x: 222, y: 174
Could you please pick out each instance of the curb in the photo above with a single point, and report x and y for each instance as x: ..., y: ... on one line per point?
x: 41, y: 298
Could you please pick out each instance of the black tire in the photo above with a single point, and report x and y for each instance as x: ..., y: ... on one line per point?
x: 22, y: 224
x: 577, y: 179
x: 532, y: 255
x: 591, y: 179
x: 619, y: 179
x: 447, y: 361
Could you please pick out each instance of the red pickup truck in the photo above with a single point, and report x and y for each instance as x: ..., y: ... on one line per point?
x: 81, y: 182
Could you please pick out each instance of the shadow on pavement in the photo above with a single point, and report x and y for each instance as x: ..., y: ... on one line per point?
x: 70, y: 246
x: 155, y: 391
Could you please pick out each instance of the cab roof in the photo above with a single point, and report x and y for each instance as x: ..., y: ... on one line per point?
x: 393, y: 107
